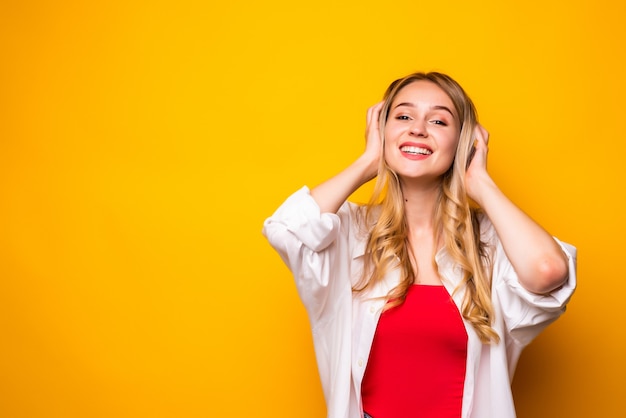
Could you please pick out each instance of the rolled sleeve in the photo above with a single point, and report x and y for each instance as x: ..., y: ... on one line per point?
x: 525, y: 313
x: 300, y: 217
x: 309, y: 243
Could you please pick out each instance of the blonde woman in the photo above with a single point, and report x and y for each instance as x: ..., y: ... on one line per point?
x: 420, y: 302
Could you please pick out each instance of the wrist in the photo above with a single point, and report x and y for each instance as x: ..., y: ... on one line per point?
x: 482, y: 189
x: 368, y: 166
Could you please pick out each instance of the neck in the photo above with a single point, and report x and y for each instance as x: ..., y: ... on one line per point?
x: 419, y: 205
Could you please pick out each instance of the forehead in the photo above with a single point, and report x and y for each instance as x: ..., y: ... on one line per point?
x: 423, y: 92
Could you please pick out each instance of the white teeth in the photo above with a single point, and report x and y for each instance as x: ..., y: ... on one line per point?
x: 415, y: 150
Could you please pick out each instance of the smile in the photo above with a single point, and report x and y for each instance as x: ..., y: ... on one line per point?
x: 415, y: 150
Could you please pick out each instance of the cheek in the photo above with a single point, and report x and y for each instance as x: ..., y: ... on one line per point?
x: 452, y: 142
x: 388, y: 138
x: 448, y: 146
x: 392, y: 133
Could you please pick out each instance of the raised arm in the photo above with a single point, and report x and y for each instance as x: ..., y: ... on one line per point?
x: 331, y: 194
x: 537, y: 258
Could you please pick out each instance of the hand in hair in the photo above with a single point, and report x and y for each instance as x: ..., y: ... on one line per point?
x: 373, y: 139
x: 538, y: 260
x: 331, y: 194
x: 476, y: 176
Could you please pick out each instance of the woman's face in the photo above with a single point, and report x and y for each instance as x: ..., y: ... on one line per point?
x: 421, y: 132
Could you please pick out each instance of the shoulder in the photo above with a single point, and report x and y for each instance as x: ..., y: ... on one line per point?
x: 355, y: 218
x: 488, y: 235
x: 357, y: 221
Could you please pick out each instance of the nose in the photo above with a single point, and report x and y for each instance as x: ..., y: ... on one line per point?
x: 418, y: 128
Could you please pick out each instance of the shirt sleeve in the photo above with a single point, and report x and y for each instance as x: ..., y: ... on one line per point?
x: 310, y: 244
x: 525, y: 313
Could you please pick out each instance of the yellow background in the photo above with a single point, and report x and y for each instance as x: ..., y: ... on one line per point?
x: 143, y: 143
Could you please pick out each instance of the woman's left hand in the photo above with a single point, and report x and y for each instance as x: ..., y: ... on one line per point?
x: 477, y: 177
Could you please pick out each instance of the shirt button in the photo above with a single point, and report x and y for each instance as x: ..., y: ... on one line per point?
x: 360, y: 363
x: 372, y: 309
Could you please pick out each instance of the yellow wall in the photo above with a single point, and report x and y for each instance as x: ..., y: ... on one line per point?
x: 142, y: 146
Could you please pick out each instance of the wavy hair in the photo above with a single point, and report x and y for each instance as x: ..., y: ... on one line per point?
x: 387, y: 246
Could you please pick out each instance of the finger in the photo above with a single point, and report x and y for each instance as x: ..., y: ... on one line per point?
x: 481, y: 134
x: 373, y: 113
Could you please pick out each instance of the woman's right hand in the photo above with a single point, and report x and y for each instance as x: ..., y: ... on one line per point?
x: 373, y: 139
x: 332, y: 193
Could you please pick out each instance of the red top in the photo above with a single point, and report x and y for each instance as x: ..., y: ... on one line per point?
x: 416, y: 366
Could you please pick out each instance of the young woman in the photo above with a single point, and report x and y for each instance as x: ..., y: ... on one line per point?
x: 421, y: 301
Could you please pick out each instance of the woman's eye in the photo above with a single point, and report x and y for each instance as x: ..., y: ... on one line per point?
x: 402, y: 117
x: 439, y: 122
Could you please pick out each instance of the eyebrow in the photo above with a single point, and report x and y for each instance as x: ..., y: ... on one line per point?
x: 436, y: 107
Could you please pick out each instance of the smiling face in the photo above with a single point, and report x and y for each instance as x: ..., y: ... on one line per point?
x: 421, y: 132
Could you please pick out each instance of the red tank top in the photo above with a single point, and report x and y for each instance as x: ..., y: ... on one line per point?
x: 416, y: 366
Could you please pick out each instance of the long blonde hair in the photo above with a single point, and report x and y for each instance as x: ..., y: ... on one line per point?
x: 388, y: 238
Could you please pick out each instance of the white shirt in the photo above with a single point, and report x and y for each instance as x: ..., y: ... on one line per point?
x: 324, y: 251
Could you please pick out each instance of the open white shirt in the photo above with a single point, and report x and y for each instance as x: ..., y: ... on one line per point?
x: 324, y: 251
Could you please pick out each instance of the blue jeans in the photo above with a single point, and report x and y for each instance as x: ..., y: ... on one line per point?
x: 366, y: 415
